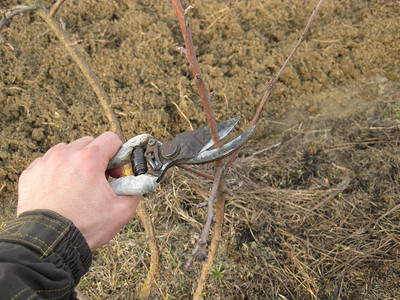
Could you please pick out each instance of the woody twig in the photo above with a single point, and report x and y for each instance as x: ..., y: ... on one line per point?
x: 217, y: 191
x: 8, y: 15
x: 56, y: 6
x: 191, y: 56
x: 79, y: 58
x: 273, y: 82
x: 219, y: 178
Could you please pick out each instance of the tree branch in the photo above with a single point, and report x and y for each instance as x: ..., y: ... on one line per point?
x: 191, y: 56
x: 274, y: 81
x: 200, y: 253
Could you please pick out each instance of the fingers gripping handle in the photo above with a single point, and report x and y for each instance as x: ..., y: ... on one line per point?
x: 134, y: 185
x: 124, y: 154
x: 131, y: 185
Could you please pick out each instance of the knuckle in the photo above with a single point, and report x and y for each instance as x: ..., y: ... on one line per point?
x: 62, y: 144
x: 88, y: 154
x: 23, y: 174
x: 112, y: 137
x: 56, y: 155
x: 88, y: 138
x: 60, y: 152
x: 88, y: 160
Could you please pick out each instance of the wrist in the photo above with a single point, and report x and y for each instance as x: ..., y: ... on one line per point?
x: 52, y: 237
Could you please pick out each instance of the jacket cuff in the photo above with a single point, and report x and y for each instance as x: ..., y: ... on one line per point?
x: 54, y: 238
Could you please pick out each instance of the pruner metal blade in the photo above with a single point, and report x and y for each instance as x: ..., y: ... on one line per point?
x: 191, y: 147
x: 223, y: 151
x: 186, y: 145
x: 223, y: 129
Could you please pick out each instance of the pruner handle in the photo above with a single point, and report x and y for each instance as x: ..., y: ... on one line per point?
x: 133, y: 151
x: 124, y: 154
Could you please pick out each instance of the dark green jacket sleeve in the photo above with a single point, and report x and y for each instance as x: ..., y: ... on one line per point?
x: 42, y: 256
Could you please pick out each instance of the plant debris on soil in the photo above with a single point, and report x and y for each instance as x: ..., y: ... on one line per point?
x: 315, y: 205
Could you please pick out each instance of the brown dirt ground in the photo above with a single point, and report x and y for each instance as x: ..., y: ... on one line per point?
x: 316, y: 211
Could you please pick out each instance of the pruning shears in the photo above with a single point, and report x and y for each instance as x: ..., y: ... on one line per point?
x: 150, y: 158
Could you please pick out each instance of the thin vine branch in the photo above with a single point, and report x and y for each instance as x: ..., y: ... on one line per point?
x: 274, y: 81
x: 216, y: 239
x: 83, y: 65
x: 3, y: 40
x: 155, y: 256
x: 203, y: 174
x: 218, y: 185
x: 56, y: 6
x: 301, y: 39
x: 20, y: 10
x: 200, y: 253
x: 191, y: 56
x: 9, y: 15
x: 105, y: 101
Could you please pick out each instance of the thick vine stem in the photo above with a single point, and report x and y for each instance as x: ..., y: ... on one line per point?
x: 200, y: 250
x: 219, y: 180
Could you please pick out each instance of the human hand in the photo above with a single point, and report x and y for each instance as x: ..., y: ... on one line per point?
x: 71, y: 180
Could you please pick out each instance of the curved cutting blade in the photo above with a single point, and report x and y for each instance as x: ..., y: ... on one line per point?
x: 223, y: 129
x: 186, y: 146
x: 223, y: 151
x: 189, y: 144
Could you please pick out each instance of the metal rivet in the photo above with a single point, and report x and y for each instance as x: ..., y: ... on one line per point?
x: 169, y: 149
x: 151, y: 142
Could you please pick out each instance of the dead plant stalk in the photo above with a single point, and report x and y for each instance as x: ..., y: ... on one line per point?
x: 219, y: 179
x: 78, y: 57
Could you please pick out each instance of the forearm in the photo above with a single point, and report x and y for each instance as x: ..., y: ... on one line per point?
x: 42, y: 255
